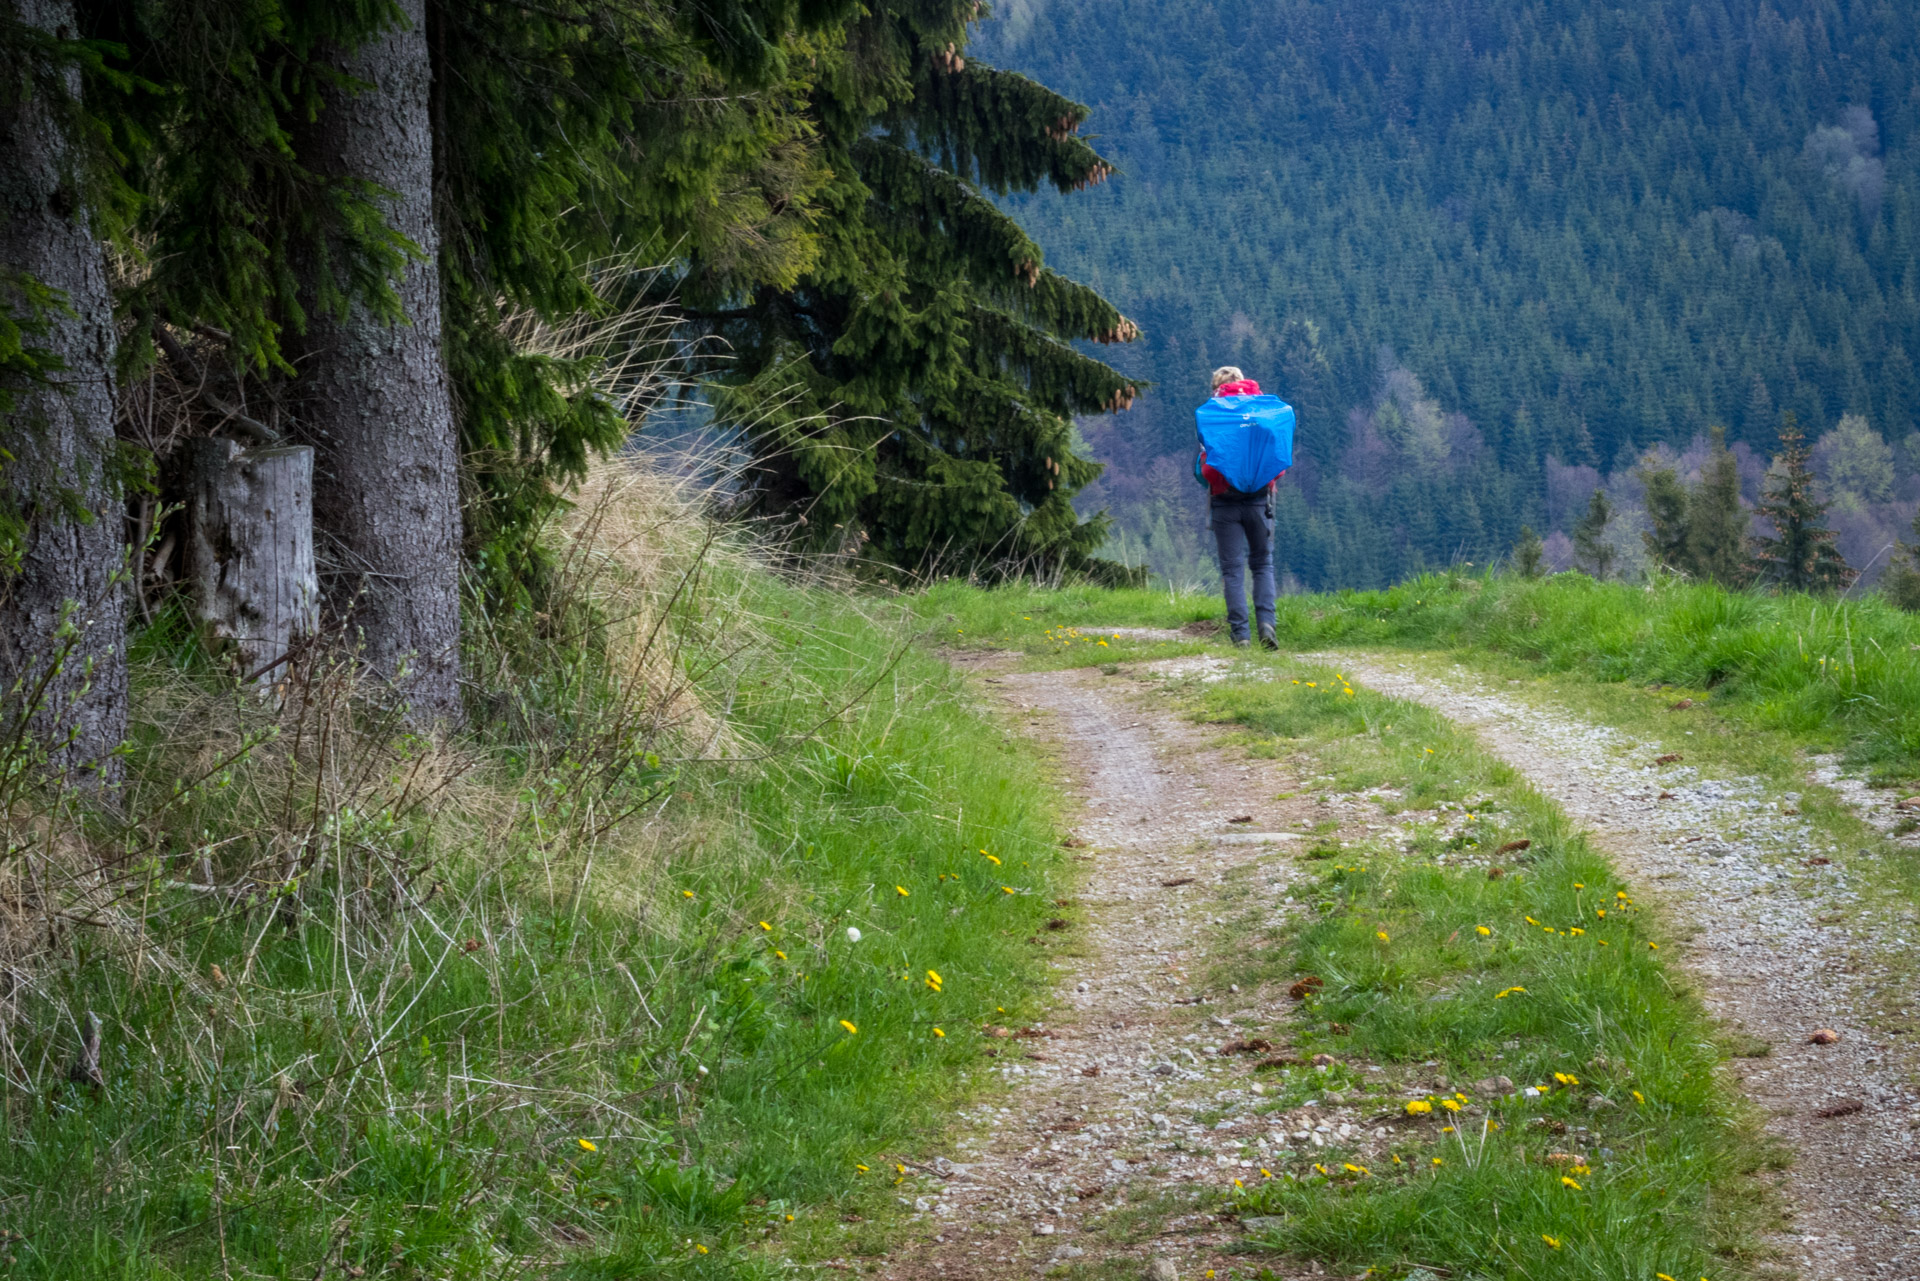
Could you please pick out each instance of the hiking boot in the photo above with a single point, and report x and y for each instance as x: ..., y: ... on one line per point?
x: 1239, y: 642
x: 1267, y: 639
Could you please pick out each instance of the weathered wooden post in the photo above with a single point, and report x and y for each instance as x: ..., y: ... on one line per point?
x: 251, y: 522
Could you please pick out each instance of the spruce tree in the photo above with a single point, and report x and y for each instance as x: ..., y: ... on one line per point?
x: 1306, y: 377
x: 1800, y: 557
x: 1527, y: 553
x: 1901, y: 583
x: 1667, y: 541
x: 372, y: 396
x: 1590, y: 543
x: 63, y: 672
x: 916, y: 387
x: 1717, y: 519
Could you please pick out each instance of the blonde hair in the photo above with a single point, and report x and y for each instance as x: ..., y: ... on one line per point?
x: 1227, y: 374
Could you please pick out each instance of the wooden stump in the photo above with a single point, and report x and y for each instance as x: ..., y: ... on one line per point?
x: 251, y: 521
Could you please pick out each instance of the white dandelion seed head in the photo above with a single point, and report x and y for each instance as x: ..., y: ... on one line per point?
x: 853, y: 934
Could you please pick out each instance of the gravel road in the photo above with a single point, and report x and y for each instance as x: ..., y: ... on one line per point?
x: 1774, y: 946
x: 1118, y: 1102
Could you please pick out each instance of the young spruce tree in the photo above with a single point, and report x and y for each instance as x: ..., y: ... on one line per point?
x: 1590, y: 543
x: 917, y: 386
x: 1901, y: 583
x: 1718, y: 521
x: 1527, y: 553
x: 1800, y: 557
x: 1666, y: 499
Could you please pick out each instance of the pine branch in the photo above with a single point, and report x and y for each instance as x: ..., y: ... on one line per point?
x: 1000, y: 129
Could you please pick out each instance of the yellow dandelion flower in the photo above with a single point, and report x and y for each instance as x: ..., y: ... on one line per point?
x: 1006, y: 889
x: 1321, y: 1168
x: 901, y: 890
x: 1360, y: 1170
x: 1655, y: 947
x: 851, y: 1029
x: 1265, y: 1173
x: 1483, y: 931
x: 1566, y: 1181
x: 1600, y: 912
x: 991, y: 859
x: 937, y: 1032
x: 587, y: 1145
x: 1506, y: 992
x: 1575, y: 932
x: 1661, y: 1276
x: 1438, y: 1161
x: 686, y: 893
x: 1418, y: 1107
x: 935, y: 976
x: 1382, y: 936
x: 1621, y: 895
x: 1531, y: 921
x: 765, y: 926
x: 1552, y: 1242
x: 1579, y: 886
x: 701, y: 1248
x: 1639, y: 1097
x: 1446, y: 1129
x: 777, y: 952
x: 1451, y: 1105
x: 1238, y: 1184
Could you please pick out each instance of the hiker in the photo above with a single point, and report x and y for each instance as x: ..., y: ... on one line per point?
x: 1251, y: 439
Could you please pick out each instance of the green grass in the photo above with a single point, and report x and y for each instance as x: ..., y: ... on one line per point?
x: 404, y: 1075
x: 1411, y: 984
x: 1834, y: 673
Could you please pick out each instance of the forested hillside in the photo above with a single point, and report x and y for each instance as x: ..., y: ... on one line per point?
x: 1526, y: 236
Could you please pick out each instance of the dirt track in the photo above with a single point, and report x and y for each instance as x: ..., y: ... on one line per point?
x: 1096, y: 1120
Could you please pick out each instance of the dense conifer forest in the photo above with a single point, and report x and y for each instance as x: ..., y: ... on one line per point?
x: 1494, y: 251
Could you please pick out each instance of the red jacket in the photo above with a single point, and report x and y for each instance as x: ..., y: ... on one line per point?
x: 1216, y: 483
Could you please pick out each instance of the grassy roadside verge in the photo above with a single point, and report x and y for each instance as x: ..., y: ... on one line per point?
x: 573, y: 996
x: 1837, y: 674
x: 1629, y: 1162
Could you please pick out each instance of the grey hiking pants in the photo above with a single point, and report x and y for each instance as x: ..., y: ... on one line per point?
x: 1245, y: 538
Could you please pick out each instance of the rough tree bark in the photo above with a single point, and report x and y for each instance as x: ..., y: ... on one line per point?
x: 251, y: 526
x: 63, y: 615
x: 373, y: 397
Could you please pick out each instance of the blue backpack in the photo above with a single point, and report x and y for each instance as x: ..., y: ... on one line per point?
x: 1247, y: 439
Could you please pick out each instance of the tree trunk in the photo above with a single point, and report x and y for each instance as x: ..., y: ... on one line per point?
x: 252, y: 528
x: 373, y: 399
x: 63, y: 615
